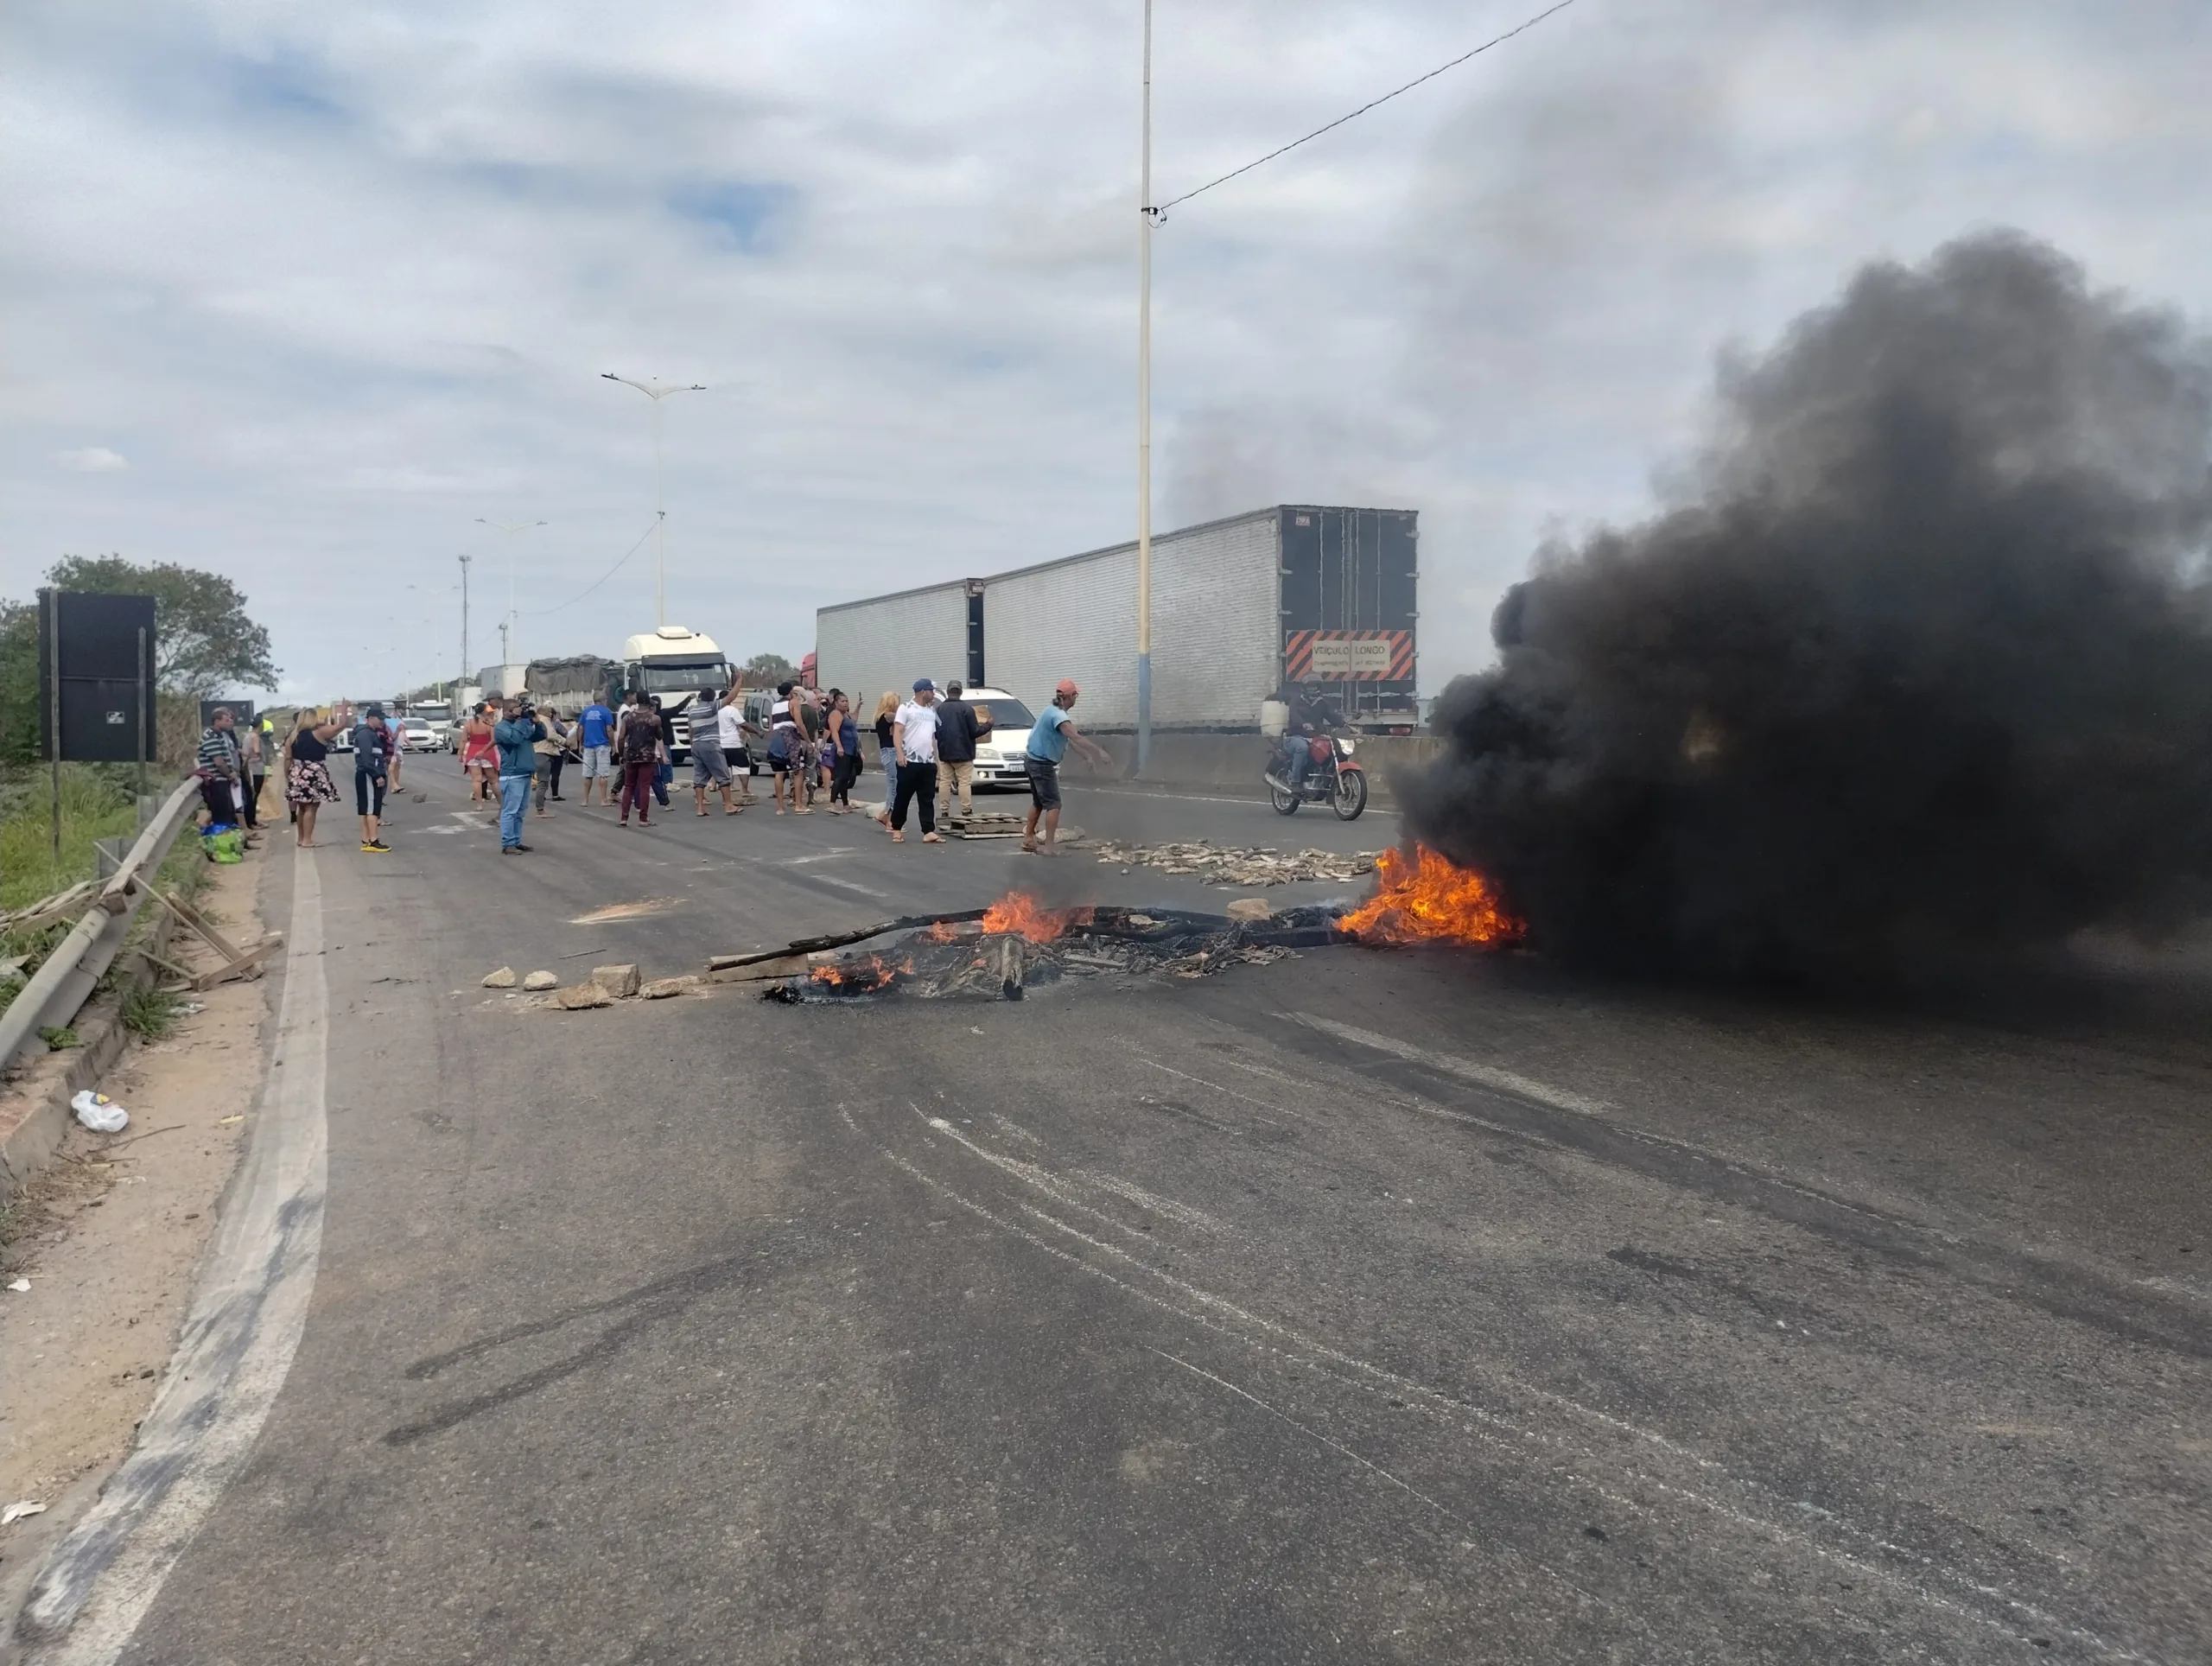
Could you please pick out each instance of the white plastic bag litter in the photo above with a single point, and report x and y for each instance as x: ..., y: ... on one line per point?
x: 100, y: 1113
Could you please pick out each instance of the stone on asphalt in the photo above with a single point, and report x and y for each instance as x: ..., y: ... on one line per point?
x: 502, y: 979
x: 542, y: 980
x: 617, y: 981
x: 661, y: 988
x: 1250, y: 909
x: 578, y: 996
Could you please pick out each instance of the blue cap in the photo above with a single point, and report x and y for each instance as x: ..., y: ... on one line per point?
x: 921, y: 683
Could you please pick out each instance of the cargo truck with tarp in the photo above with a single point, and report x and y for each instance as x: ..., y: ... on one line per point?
x: 1239, y: 607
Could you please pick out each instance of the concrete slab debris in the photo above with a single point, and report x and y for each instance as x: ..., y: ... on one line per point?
x: 620, y: 982
x: 578, y: 996
x: 1248, y: 908
x: 542, y: 980
x: 661, y: 988
x: 502, y: 979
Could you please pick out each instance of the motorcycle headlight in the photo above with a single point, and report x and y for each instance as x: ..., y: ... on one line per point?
x: 1349, y: 747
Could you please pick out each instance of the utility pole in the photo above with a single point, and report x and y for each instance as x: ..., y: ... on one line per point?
x: 507, y: 529
x: 502, y: 653
x: 656, y: 393
x: 1145, y: 217
x: 464, y: 624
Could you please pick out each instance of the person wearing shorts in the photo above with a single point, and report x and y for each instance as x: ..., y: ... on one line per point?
x: 595, y: 737
x: 708, y: 767
x: 1048, y: 745
x: 371, y: 776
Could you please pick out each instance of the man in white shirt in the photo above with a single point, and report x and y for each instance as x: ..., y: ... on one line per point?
x: 730, y: 725
x: 913, y: 741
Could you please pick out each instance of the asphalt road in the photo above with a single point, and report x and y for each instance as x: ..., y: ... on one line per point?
x: 1364, y: 1306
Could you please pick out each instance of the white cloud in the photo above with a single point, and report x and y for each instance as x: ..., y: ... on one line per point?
x: 358, y: 273
x: 92, y: 460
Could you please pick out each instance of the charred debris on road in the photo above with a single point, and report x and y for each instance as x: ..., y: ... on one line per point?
x: 1001, y: 952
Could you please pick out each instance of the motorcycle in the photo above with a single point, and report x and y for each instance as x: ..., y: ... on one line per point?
x: 1334, y: 777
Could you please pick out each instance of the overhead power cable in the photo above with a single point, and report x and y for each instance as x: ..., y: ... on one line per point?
x: 1159, y: 212
x: 540, y: 613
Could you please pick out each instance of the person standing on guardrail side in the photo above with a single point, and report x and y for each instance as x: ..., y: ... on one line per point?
x: 913, y: 734
x: 220, y: 774
x: 516, y: 734
x: 1048, y: 745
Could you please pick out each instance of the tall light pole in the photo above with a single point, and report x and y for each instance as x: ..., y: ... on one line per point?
x: 656, y: 393
x: 508, y: 529
x: 1146, y: 215
x: 464, y: 630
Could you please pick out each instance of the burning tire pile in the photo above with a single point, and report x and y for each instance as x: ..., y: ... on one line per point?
x: 1001, y: 952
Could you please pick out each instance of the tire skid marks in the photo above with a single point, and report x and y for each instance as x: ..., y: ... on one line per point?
x: 1756, y: 1509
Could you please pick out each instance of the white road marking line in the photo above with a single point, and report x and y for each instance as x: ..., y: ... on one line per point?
x: 848, y: 885
x: 1166, y: 1207
x: 1466, y: 1070
x: 232, y: 1356
x: 1184, y: 1076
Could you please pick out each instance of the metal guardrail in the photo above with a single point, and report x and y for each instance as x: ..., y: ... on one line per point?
x: 67, y: 979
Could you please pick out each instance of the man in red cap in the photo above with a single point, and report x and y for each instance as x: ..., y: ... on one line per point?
x: 1048, y: 745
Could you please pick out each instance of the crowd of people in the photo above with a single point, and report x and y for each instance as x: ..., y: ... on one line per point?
x: 513, y: 755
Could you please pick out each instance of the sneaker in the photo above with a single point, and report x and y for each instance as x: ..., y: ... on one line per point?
x: 379, y: 847
x: 517, y: 847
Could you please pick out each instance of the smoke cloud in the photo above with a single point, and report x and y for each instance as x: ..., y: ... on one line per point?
x: 1917, y: 672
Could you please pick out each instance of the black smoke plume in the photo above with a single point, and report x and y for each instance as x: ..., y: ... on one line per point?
x: 1920, y: 672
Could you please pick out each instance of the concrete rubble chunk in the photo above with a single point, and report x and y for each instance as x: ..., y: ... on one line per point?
x: 1250, y: 909
x: 577, y: 996
x: 620, y: 982
x: 661, y: 988
x: 502, y: 979
x: 542, y: 980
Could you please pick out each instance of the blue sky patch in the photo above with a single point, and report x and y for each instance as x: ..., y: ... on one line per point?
x: 745, y: 214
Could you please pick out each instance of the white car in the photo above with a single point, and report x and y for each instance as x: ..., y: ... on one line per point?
x: 999, y: 754
x: 416, y: 734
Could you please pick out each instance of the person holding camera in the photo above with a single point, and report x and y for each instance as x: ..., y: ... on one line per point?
x: 516, y: 734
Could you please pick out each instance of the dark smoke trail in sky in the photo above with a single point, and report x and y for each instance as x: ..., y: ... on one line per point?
x: 1920, y: 672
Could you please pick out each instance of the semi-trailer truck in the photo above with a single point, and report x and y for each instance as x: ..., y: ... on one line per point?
x: 1239, y: 607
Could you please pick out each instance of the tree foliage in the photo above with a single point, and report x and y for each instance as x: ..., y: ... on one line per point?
x: 769, y: 668
x: 204, y: 643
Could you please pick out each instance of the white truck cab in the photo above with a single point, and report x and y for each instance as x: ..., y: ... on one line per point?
x: 674, y: 664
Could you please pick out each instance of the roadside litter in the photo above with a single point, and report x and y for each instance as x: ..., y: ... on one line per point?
x: 23, y: 1507
x: 19, y: 1285
x: 1217, y: 864
x: 100, y: 1113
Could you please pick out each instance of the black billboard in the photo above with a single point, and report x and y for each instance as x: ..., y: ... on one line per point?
x: 96, y: 677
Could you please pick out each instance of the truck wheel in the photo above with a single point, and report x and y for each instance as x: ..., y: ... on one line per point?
x: 1351, y: 795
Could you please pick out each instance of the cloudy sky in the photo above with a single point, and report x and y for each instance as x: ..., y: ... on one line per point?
x: 299, y: 292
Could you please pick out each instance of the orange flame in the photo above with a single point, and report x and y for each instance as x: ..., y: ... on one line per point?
x: 1018, y: 912
x: 944, y: 931
x: 864, y: 976
x: 1434, y: 901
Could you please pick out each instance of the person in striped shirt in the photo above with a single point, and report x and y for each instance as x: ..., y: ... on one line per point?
x: 221, y: 778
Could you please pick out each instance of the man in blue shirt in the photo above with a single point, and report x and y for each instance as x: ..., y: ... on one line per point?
x: 595, y: 735
x: 516, y: 734
x: 1048, y: 745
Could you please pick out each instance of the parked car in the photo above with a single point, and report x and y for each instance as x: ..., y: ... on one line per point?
x: 999, y: 754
